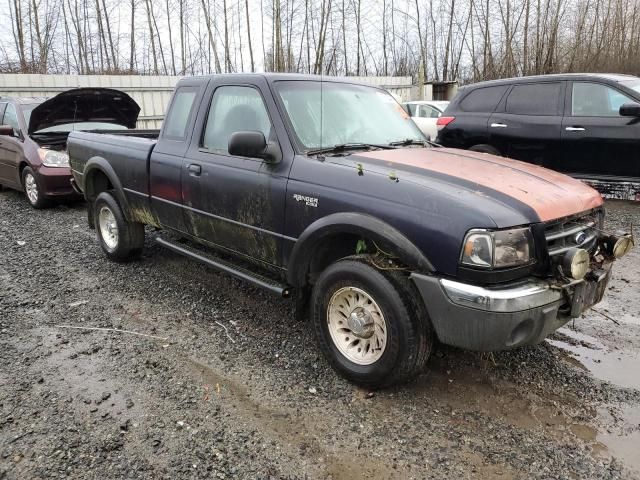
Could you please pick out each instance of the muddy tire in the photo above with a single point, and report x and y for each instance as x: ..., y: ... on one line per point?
x: 32, y: 190
x: 482, y: 148
x: 371, y: 325
x: 120, y: 240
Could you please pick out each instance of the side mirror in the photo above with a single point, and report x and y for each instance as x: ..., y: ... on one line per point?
x: 630, y: 110
x: 252, y: 144
x: 7, y: 130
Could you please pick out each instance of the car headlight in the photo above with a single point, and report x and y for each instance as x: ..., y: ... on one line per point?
x: 497, y: 249
x: 53, y: 158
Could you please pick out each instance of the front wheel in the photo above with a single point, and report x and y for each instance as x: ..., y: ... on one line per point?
x: 32, y: 189
x: 370, y: 324
x: 120, y: 240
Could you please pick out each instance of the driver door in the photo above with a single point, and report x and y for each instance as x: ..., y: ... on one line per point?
x: 10, y: 148
x: 596, y: 140
x: 233, y: 202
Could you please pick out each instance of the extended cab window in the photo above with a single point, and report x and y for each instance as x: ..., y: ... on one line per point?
x: 234, y: 109
x: 596, y: 100
x: 534, y: 99
x: 178, y: 116
x: 483, y: 100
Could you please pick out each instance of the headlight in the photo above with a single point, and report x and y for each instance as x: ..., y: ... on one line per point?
x: 497, y: 249
x: 53, y: 158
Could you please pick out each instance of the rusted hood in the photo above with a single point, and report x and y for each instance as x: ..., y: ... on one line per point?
x: 550, y: 194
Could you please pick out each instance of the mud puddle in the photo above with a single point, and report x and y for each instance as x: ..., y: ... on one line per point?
x: 620, y: 367
x: 623, y: 438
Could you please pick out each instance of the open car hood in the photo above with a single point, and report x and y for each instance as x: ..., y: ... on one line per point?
x: 85, y: 105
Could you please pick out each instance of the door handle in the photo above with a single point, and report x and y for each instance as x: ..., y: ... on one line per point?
x: 195, y: 170
x: 498, y: 125
x: 575, y: 129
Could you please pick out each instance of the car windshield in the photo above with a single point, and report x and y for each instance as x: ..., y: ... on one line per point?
x: 69, y: 127
x: 632, y: 84
x: 325, y: 114
x: 27, y: 108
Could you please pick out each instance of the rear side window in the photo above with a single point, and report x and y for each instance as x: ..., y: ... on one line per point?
x: 534, y: 99
x: 175, y: 124
x: 484, y: 99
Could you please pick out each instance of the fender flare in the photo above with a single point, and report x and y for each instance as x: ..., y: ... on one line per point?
x: 99, y: 164
x: 351, y: 223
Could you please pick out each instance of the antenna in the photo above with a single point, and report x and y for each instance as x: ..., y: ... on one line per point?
x: 321, y: 109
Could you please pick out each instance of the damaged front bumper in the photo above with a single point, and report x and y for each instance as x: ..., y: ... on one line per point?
x: 506, y: 316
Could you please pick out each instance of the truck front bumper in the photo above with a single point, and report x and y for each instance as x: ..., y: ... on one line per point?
x: 503, y: 317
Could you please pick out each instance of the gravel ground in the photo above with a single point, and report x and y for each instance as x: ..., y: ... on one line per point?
x: 226, y: 384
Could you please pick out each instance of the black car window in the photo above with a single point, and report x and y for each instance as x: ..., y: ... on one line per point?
x: 234, y: 109
x: 484, y: 99
x: 596, y: 100
x: 11, y: 117
x: 534, y: 99
x: 178, y: 116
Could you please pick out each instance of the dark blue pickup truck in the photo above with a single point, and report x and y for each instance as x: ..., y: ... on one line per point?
x: 325, y: 191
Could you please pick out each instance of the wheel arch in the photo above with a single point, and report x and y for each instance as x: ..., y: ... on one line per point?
x: 99, y: 176
x: 335, y: 236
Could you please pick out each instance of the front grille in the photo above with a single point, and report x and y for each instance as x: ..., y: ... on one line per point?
x: 579, y: 231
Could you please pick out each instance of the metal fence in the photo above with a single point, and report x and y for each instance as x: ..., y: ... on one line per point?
x: 151, y: 92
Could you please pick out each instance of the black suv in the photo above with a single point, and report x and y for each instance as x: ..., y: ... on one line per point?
x: 586, y: 125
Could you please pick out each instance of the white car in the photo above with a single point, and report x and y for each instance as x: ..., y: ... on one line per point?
x: 425, y: 114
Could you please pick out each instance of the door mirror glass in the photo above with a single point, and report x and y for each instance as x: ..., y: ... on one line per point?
x: 251, y: 144
x: 7, y: 130
x: 630, y: 110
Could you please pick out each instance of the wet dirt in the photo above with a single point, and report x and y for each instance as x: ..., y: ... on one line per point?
x: 239, y: 390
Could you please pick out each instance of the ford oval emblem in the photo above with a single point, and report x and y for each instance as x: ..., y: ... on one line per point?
x: 580, y: 238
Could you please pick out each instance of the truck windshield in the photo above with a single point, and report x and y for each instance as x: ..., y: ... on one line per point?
x: 325, y: 114
x: 633, y: 84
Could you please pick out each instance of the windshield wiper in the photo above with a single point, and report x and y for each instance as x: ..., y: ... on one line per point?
x: 343, y: 147
x: 408, y: 141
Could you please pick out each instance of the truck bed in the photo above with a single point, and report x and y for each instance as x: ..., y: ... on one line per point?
x: 128, y: 152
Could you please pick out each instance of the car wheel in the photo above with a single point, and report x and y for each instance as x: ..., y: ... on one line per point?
x: 370, y: 324
x: 120, y: 240
x: 485, y: 149
x: 32, y: 189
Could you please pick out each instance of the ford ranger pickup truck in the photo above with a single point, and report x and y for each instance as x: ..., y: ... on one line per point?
x: 325, y: 191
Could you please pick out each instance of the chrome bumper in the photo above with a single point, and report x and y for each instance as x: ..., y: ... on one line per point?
x: 510, y: 298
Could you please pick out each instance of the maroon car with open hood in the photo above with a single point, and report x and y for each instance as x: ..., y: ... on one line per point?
x: 33, y: 137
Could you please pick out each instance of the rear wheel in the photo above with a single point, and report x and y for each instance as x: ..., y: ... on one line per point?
x: 120, y: 240
x: 32, y: 189
x: 370, y: 324
x: 482, y: 148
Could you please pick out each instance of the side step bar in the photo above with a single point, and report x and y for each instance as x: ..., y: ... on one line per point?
x: 256, y: 279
